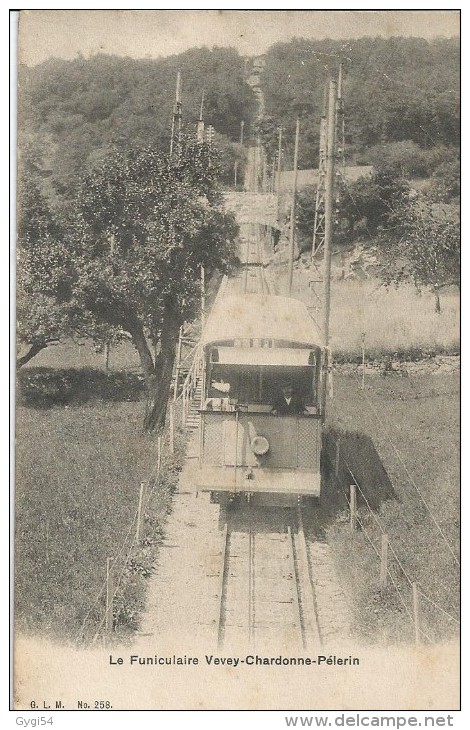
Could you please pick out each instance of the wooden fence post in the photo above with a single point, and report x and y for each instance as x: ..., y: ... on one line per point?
x: 107, y: 352
x: 178, y: 364
x: 416, y: 611
x: 384, y: 562
x: 159, y: 454
x: 140, y: 517
x: 353, y: 506
x: 363, y: 348
x: 109, y: 596
x: 172, y: 429
x: 337, y: 456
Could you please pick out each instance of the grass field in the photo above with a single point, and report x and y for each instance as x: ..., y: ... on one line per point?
x: 81, y: 457
x: 392, y: 320
x: 78, y: 476
x: 69, y: 354
x: 413, y: 424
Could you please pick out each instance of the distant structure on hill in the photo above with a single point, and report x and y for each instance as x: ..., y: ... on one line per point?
x: 310, y: 177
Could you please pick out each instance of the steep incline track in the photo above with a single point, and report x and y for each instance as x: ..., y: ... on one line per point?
x: 244, y: 576
x: 266, y: 594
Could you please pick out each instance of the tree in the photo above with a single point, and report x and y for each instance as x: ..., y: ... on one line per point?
x: 44, y: 311
x: 374, y: 200
x: 83, y: 106
x: 144, y: 226
x: 427, y: 252
x: 394, y: 89
x: 231, y: 155
x: 47, y: 310
x: 445, y: 182
x: 370, y: 201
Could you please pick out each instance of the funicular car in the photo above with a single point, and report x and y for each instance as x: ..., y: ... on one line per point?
x: 261, y: 405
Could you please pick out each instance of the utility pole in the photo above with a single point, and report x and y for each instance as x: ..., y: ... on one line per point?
x: 258, y: 165
x: 340, y: 172
x: 203, y: 297
x: 177, y: 116
x: 200, y: 124
x: 329, y: 207
x: 210, y: 131
x: 319, y: 222
x: 242, y: 124
x: 278, y: 182
x: 292, y: 210
x: 340, y: 117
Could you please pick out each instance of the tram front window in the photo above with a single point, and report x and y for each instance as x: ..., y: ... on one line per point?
x: 262, y: 390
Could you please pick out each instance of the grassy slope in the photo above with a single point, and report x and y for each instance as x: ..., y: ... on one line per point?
x: 80, y: 458
x: 420, y: 416
x: 79, y: 469
x: 391, y: 319
x: 77, y: 487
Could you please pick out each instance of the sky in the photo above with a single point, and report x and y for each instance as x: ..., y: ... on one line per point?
x: 154, y: 33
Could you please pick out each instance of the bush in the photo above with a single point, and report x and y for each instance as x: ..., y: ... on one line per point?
x: 47, y: 387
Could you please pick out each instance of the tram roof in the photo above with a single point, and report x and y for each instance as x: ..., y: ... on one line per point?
x: 259, y: 316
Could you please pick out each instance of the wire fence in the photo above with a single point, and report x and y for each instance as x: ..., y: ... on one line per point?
x: 117, y: 567
x: 386, y: 566
x: 119, y: 563
x: 410, y: 478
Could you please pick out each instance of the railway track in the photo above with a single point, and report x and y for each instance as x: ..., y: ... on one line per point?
x: 251, y: 278
x: 266, y: 595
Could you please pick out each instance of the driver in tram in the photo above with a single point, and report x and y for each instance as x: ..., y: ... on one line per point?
x: 287, y: 402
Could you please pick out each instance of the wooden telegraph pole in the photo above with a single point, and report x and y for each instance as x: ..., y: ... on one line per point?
x: 292, y: 210
x: 177, y: 116
x: 329, y: 217
x: 200, y: 124
x: 242, y: 126
x: 278, y: 177
x: 329, y: 208
x: 203, y: 297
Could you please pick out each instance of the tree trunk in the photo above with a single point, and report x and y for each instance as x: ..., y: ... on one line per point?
x: 158, y: 397
x: 141, y: 345
x: 438, y: 300
x: 34, y: 350
x: 147, y: 364
x: 158, y: 373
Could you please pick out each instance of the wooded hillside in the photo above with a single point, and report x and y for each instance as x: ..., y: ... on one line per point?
x: 71, y: 112
x: 394, y: 89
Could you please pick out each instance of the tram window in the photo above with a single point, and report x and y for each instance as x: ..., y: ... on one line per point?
x: 255, y: 387
x: 301, y: 380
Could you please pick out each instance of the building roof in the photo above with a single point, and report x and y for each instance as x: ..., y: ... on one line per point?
x: 259, y: 316
x: 310, y: 177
